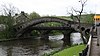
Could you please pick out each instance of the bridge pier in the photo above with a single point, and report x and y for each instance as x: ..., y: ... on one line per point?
x: 44, y: 34
x: 26, y: 35
x: 67, y: 39
x: 45, y: 37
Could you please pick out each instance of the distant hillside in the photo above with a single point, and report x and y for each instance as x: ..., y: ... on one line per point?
x: 65, y: 17
x: 85, y: 18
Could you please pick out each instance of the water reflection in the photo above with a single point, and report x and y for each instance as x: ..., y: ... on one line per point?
x: 27, y: 47
x: 32, y: 47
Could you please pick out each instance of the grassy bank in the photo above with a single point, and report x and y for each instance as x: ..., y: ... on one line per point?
x: 72, y: 51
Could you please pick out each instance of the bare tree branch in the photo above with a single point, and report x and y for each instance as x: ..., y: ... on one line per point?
x: 9, y: 9
x: 76, y: 11
x: 78, y: 17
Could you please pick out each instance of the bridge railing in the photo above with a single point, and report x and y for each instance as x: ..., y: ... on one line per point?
x: 89, y: 45
x: 86, y: 51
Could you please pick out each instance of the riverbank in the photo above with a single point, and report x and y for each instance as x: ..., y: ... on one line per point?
x: 72, y: 51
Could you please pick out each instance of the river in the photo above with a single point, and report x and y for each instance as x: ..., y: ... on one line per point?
x: 35, y: 47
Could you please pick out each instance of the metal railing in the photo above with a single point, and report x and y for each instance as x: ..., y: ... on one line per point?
x: 86, y: 51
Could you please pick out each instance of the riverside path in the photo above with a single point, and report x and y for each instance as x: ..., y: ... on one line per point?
x: 95, y: 44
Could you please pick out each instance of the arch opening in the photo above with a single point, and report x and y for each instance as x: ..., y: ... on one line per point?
x: 42, y: 20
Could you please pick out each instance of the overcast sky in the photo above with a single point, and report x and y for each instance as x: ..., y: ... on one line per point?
x: 52, y: 7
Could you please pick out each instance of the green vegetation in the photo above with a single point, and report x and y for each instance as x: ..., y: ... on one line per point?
x: 56, y: 32
x: 51, y: 24
x: 50, y: 54
x: 71, y: 51
x: 33, y: 15
x: 87, y: 18
x: 7, y: 32
x: 65, y: 17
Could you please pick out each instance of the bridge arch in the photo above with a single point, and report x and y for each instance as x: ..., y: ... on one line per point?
x: 36, y: 21
x: 47, y: 19
x: 26, y: 25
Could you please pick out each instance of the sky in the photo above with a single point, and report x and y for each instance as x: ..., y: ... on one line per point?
x: 53, y: 7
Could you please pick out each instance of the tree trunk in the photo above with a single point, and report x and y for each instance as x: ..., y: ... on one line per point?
x: 84, y: 41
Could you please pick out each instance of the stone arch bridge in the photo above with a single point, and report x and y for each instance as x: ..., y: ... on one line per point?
x: 28, y: 26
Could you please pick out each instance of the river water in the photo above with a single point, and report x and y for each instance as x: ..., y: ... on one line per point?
x: 35, y: 47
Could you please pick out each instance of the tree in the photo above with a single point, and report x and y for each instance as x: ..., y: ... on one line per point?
x: 9, y: 11
x: 34, y: 15
x: 79, y: 14
x: 87, y: 18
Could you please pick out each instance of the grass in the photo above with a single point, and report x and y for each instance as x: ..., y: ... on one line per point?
x: 72, y: 51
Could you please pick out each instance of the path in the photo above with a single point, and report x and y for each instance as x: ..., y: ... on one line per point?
x: 95, y: 50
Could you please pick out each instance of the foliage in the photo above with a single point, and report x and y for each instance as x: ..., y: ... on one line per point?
x: 50, y: 54
x: 55, y: 32
x: 71, y: 51
x: 35, y: 33
x: 65, y: 17
x: 34, y: 15
x: 87, y: 18
x: 3, y: 19
x: 7, y: 19
x: 48, y: 24
x: 8, y: 22
x: 6, y: 34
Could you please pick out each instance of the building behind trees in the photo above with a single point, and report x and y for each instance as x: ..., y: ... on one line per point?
x: 20, y: 18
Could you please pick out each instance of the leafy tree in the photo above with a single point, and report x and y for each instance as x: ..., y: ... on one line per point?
x: 34, y: 15
x: 3, y: 19
x: 8, y: 11
x: 87, y: 18
x: 8, y: 32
